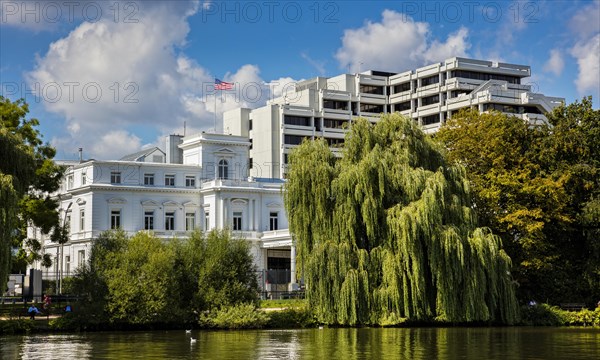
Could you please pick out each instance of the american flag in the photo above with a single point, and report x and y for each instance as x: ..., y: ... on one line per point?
x: 222, y: 85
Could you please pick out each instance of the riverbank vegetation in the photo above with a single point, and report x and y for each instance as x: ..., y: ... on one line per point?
x: 145, y: 281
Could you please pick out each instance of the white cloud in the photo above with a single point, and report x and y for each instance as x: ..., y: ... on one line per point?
x: 586, y: 50
x: 555, y: 63
x: 585, y: 23
x: 116, y: 144
x: 115, y: 75
x: 397, y: 43
x: 455, y: 45
x: 587, y: 53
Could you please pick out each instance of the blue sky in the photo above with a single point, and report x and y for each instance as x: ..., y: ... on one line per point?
x: 113, y: 76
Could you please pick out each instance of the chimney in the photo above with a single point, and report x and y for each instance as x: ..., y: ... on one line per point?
x: 80, y: 155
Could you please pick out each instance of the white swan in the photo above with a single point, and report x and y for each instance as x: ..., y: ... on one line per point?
x: 188, y: 331
x: 193, y: 341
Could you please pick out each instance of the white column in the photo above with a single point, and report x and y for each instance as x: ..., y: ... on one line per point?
x: 251, y: 215
x: 256, y: 216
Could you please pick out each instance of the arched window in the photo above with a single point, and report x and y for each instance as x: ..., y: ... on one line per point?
x: 223, y: 169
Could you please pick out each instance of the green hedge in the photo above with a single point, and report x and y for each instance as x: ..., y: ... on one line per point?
x: 546, y: 315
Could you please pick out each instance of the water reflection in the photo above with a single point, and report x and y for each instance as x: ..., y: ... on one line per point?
x: 49, y: 347
x: 346, y: 344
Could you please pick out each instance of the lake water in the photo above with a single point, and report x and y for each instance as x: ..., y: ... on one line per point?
x: 329, y: 344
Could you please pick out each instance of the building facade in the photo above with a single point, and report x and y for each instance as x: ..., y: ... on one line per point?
x: 203, y: 185
x: 324, y: 107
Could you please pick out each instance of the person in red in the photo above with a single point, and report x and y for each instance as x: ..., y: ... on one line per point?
x: 47, y: 302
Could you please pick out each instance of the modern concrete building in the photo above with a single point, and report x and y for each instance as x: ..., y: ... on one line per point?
x: 206, y: 188
x: 324, y: 107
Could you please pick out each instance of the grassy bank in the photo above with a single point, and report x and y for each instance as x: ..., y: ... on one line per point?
x: 290, y: 314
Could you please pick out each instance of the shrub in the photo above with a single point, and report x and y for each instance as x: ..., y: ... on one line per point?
x: 300, y: 317
x: 17, y: 326
x: 244, y: 316
x: 546, y: 315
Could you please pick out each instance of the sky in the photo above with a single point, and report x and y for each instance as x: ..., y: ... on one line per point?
x: 114, y: 77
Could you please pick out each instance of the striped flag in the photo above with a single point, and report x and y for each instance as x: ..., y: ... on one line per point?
x: 222, y: 85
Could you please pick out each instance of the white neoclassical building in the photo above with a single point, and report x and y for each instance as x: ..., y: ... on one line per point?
x: 201, y: 182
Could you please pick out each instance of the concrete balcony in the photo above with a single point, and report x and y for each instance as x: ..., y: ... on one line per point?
x: 336, y: 95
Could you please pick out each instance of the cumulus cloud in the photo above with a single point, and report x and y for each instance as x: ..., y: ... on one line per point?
x: 587, y: 53
x: 586, y: 50
x: 111, y: 75
x: 555, y: 63
x: 397, y: 43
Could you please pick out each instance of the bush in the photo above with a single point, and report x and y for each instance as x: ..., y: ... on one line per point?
x: 8, y: 327
x: 546, y: 315
x: 300, y: 317
x: 244, y: 316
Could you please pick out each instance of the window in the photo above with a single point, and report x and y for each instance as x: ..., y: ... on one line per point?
x: 190, y: 221
x: 81, y: 256
x: 237, y: 221
x: 70, y: 182
x: 83, y: 178
x: 371, y: 89
x: 206, y: 220
x: 250, y: 164
x: 190, y: 181
x: 371, y: 108
x: 250, y: 125
x: 434, y: 79
x: 335, y: 124
x: 483, y: 76
x: 402, y: 87
x: 68, y: 264
x: 293, y: 139
x: 170, y: 220
x: 431, y: 119
x: 296, y: 120
x: 335, y: 105
x: 148, y: 179
x: 149, y: 220
x: 273, y: 218
x: 169, y: 180
x: 223, y: 169
x: 115, y: 219
x: 115, y: 177
x: 81, y: 219
x: 68, y: 223
x: 402, y: 106
x: 428, y: 100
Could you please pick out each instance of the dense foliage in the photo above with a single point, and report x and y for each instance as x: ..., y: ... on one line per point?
x: 145, y: 280
x: 27, y: 176
x: 386, y: 233
x: 539, y: 189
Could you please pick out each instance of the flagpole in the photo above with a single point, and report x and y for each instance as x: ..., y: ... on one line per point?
x: 216, y: 111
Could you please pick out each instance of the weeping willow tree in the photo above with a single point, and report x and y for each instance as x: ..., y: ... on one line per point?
x: 387, y: 233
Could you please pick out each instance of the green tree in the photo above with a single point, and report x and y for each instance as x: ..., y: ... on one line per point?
x: 226, y: 275
x: 139, y: 282
x: 144, y: 280
x: 537, y: 187
x: 387, y: 232
x: 27, y: 177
